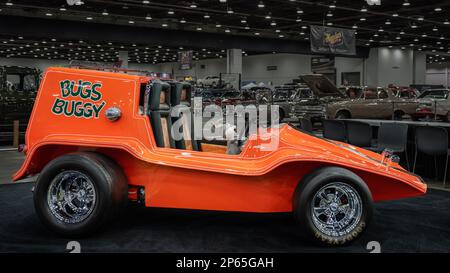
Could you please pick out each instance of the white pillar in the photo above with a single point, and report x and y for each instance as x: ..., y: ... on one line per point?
x: 123, y: 58
x: 420, y: 67
x: 234, y: 61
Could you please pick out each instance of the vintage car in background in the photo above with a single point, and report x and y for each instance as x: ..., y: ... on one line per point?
x: 376, y: 103
x: 18, y: 87
x: 93, y: 161
x: 251, y: 95
x: 213, y: 81
x: 264, y: 95
x: 434, y: 104
x: 312, y: 100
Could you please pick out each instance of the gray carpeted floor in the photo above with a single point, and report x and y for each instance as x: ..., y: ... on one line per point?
x: 412, y: 225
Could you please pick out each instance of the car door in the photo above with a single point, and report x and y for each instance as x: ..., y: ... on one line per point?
x: 364, y: 106
x: 384, y: 107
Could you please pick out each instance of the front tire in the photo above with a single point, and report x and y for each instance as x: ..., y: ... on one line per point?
x: 332, y: 206
x: 76, y: 194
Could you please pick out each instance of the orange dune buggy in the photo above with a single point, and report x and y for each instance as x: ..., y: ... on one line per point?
x: 99, y: 139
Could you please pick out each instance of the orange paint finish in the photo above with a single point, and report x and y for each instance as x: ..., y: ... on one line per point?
x: 257, y: 180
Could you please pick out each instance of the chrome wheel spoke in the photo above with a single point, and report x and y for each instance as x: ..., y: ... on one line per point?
x: 320, y: 211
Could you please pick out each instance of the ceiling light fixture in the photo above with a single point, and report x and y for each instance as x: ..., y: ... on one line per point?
x: 406, y: 3
x: 363, y: 9
x: 261, y: 4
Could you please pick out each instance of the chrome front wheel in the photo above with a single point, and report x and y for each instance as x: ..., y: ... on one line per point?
x: 336, y: 209
x: 332, y: 206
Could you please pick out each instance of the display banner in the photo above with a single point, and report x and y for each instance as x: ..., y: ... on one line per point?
x: 185, y: 59
x: 330, y: 40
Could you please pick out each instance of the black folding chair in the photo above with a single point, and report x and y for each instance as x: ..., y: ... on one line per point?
x: 334, y: 130
x: 432, y: 141
x: 306, y: 125
x: 359, y: 134
x: 393, y: 136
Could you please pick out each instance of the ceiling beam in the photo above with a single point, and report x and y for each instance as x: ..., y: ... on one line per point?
x: 95, y: 32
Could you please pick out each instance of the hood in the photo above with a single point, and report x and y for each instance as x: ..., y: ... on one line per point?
x: 322, y: 86
x: 312, y: 146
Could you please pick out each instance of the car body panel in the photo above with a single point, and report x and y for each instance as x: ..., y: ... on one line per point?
x: 259, y: 179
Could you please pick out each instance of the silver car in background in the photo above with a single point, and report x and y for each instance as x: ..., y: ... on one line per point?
x: 434, y: 104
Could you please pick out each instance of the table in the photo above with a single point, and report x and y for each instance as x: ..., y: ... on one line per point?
x: 378, y: 122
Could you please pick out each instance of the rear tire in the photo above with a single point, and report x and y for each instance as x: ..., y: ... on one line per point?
x: 343, y: 115
x: 398, y: 115
x: 332, y: 206
x: 76, y: 194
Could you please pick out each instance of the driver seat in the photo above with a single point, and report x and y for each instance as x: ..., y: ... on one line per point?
x: 181, y: 95
x: 159, y: 112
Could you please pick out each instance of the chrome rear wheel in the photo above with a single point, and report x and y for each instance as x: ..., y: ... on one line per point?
x: 71, y: 197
